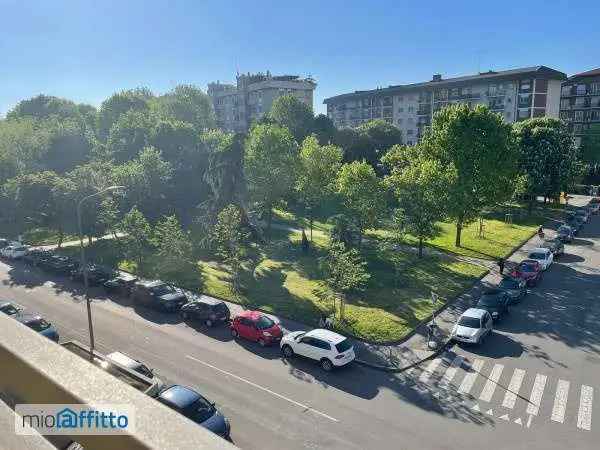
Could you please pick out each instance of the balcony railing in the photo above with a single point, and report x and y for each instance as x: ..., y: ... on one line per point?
x: 36, y: 370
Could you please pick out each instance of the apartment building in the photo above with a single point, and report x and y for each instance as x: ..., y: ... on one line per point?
x: 580, y: 102
x: 517, y: 94
x: 237, y: 106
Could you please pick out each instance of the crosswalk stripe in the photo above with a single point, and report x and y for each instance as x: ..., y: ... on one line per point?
x: 536, y: 394
x: 510, y: 397
x: 560, y: 401
x: 469, y: 380
x: 431, y: 367
x: 490, y: 386
x: 451, y: 372
x: 584, y: 417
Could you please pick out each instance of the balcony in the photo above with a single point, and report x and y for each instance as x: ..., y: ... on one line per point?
x: 36, y: 370
x: 424, y: 111
x: 496, y: 93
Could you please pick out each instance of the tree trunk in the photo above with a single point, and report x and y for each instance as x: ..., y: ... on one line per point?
x: 310, y: 223
x: 420, y: 247
x: 60, y: 237
x: 530, y: 206
x: 269, y: 220
x: 89, y: 240
x: 458, y: 232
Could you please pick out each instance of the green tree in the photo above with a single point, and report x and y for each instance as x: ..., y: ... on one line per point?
x: 324, y: 129
x: 189, y: 104
x: 363, y: 195
x: 419, y: 184
x: 293, y: 114
x: 317, y: 171
x: 137, y: 235
x: 44, y: 106
x: 230, y: 239
x: 589, y: 152
x: 345, y: 272
x: 270, y: 166
x: 173, y: 247
x: 475, y: 147
x: 129, y: 134
x: 548, y: 157
x: 119, y: 103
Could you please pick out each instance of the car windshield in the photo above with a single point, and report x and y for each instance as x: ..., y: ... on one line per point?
x: 10, y: 310
x: 199, y: 411
x: 163, y: 289
x: 39, y: 325
x: 221, y: 307
x: 144, y: 371
x: 343, y: 346
x: 537, y: 256
x: 564, y: 230
x: 527, y: 267
x: 488, y: 300
x: 509, y: 284
x: 469, y: 322
x: 264, y: 322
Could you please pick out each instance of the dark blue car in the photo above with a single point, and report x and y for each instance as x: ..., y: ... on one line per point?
x: 195, y: 407
x: 39, y: 324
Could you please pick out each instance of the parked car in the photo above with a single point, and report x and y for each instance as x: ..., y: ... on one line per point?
x: 14, y: 251
x: 3, y: 243
x: 135, y: 365
x: 515, y: 288
x: 473, y: 326
x: 575, y: 222
x: 528, y: 270
x: 494, y: 301
x: 39, y: 324
x: 206, y: 309
x: 593, y: 207
x: 195, y: 407
x: 10, y: 308
x: 583, y: 213
x: 565, y: 233
x: 555, y: 245
x: 158, y: 295
x: 329, y: 348
x: 34, y: 257
x: 542, y: 255
x: 97, y: 275
x: 60, y: 265
x: 256, y: 326
x: 121, y: 285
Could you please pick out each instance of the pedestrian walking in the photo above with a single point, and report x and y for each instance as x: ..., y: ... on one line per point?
x: 541, y: 232
x: 501, y: 265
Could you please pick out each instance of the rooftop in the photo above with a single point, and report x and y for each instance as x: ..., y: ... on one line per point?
x: 589, y: 73
x: 474, y: 312
x: 438, y: 81
x: 326, y: 335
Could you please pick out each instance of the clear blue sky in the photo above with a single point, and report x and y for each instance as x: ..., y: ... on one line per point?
x: 85, y: 50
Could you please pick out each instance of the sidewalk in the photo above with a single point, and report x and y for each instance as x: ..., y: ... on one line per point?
x: 399, y: 357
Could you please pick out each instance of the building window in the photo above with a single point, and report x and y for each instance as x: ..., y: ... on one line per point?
x: 578, y: 116
x: 411, y: 109
x: 595, y: 88
x: 409, y: 142
x: 400, y: 110
x: 410, y: 132
x: 595, y: 115
x: 566, y: 90
x: 581, y: 89
x: 400, y: 98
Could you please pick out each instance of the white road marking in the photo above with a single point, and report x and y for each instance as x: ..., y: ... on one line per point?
x: 490, y: 386
x: 451, y: 372
x: 529, y: 421
x: 513, y: 389
x: 467, y: 383
x: 431, y: 367
x: 489, y: 412
x: 275, y: 394
x: 476, y: 407
x: 519, y: 421
x: 536, y: 394
x: 560, y: 401
x: 584, y: 417
x: 505, y: 417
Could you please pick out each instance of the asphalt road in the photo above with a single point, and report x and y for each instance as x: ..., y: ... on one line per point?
x: 542, y: 365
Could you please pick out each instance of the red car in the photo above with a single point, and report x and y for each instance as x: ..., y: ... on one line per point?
x: 256, y: 326
x: 528, y: 270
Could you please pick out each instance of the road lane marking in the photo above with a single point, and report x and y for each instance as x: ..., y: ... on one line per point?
x: 490, y: 385
x: 560, y: 401
x: 510, y: 397
x: 584, y: 417
x: 536, y: 394
x: 431, y: 367
x: 262, y: 388
x: 451, y: 372
x: 469, y: 380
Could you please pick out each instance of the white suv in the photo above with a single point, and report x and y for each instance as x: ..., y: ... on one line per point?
x: 329, y: 348
x: 472, y: 326
x: 14, y: 252
x: 543, y: 256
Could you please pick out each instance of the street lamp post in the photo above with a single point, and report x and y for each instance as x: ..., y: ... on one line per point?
x: 84, y: 267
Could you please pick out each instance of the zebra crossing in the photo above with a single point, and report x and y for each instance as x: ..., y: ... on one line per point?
x: 521, y: 397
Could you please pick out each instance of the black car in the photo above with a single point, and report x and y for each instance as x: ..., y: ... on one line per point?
x: 10, y: 308
x: 60, y: 265
x: 515, y: 288
x: 575, y: 222
x: 206, y: 309
x: 494, y: 301
x: 565, y: 233
x: 97, y: 275
x: 555, y: 245
x: 195, y: 407
x: 4, y: 243
x: 34, y: 257
x: 121, y: 285
x: 158, y: 295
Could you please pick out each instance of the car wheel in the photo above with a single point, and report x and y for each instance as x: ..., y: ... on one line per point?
x: 208, y: 323
x: 262, y: 342
x: 288, y: 352
x: 234, y: 333
x: 326, y: 365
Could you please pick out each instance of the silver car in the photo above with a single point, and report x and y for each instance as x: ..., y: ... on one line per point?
x: 472, y: 326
